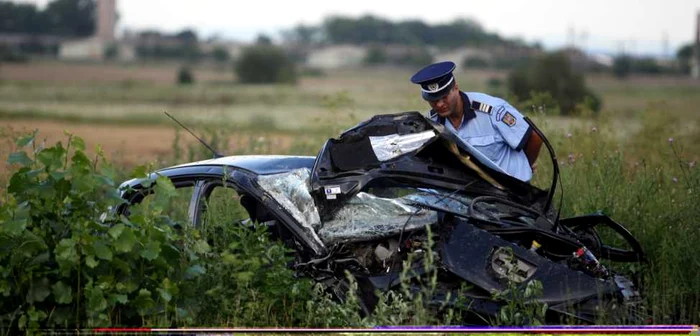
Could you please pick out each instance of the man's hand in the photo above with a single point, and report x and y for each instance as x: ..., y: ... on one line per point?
x: 532, y: 149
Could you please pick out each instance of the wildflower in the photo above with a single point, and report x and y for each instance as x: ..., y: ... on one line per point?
x: 594, y: 129
x: 670, y: 141
x: 691, y: 164
x: 572, y: 158
x: 674, y: 179
x: 568, y: 135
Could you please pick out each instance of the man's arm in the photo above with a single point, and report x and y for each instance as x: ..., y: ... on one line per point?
x: 532, y: 148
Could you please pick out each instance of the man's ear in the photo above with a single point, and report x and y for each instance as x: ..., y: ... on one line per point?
x: 456, y: 86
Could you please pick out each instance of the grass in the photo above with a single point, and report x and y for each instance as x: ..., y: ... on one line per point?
x: 636, y: 161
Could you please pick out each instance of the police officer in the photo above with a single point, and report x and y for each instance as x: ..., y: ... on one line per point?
x: 488, y: 123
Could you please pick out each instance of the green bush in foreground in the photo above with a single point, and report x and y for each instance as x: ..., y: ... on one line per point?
x: 62, y: 267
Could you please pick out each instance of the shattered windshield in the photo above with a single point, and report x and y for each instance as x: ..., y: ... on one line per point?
x: 366, y: 217
x: 291, y: 191
x: 372, y: 214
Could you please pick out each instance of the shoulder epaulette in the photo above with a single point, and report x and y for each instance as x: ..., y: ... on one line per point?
x: 481, y: 107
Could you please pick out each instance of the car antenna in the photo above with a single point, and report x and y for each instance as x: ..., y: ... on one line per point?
x: 216, y: 154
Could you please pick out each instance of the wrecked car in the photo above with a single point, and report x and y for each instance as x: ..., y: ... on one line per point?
x: 367, y: 200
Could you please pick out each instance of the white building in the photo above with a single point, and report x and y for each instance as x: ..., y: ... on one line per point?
x: 334, y: 57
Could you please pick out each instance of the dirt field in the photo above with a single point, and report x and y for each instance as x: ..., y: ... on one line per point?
x: 124, y: 145
x: 80, y: 72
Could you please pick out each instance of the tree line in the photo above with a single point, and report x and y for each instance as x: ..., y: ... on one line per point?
x: 60, y: 17
x: 370, y: 29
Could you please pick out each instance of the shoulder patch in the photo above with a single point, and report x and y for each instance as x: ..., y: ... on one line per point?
x: 481, y: 107
x: 508, y: 119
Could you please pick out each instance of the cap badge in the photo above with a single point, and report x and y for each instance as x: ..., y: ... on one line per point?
x: 433, y: 86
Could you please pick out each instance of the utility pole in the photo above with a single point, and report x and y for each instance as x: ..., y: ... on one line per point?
x: 695, y: 72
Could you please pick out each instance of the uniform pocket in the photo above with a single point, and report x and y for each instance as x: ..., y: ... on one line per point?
x: 486, y: 145
x: 485, y: 140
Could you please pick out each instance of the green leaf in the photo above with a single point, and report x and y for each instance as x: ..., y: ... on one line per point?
x: 20, y: 158
x: 164, y: 294
x: 91, y: 262
x: 143, y: 302
x: 62, y: 293
x: 20, y: 182
x: 95, y: 300
x: 201, y: 246
x: 53, y: 156
x: 22, y: 323
x: 25, y: 140
x: 181, y: 313
x: 15, y: 227
x: 194, y: 271
x: 38, y: 291
x: 244, y: 277
x: 165, y: 185
x: 39, y: 259
x: 126, y: 240
x: 78, y: 143
x: 139, y: 172
x: 121, y: 298
x: 102, y: 251
x: 65, y: 251
x: 151, y: 251
x: 23, y: 210
x: 116, y: 231
x: 60, y: 316
x: 57, y: 175
x: 80, y: 160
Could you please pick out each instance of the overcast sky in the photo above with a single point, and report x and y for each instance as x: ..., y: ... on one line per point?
x: 638, y: 26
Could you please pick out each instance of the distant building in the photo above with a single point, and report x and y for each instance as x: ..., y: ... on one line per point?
x: 95, y: 47
x: 19, y: 41
x: 338, y: 56
x: 460, y: 56
x: 90, y: 48
x: 106, y: 20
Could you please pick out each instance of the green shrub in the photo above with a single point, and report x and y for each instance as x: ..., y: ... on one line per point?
x: 313, y: 72
x: 553, y: 74
x: 67, y: 264
x: 247, y: 275
x: 11, y: 55
x: 220, y: 55
x: 111, y: 51
x: 622, y: 66
x: 375, y: 55
x: 415, y: 57
x: 185, y: 76
x: 475, y: 62
x: 265, y: 63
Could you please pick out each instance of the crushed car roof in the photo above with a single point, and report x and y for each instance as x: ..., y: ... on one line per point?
x: 259, y: 164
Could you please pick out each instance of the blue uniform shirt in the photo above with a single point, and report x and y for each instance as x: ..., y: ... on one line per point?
x: 496, y: 129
